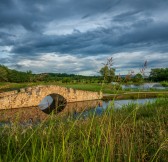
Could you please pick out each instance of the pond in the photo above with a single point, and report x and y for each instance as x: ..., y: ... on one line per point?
x: 117, y: 104
x: 145, y: 86
x: 35, y: 114
x: 52, y: 103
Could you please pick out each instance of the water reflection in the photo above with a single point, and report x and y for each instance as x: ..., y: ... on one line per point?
x: 144, y: 86
x: 117, y: 104
x: 120, y: 103
x: 23, y: 115
x: 52, y: 102
x: 34, y: 114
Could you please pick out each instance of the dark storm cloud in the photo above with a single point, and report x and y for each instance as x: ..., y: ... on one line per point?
x: 6, y: 39
x: 101, y: 41
x: 32, y: 15
x: 82, y: 28
x: 4, y: 60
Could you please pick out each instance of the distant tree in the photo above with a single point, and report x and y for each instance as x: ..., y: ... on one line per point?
x: 29, y: 77
x: 138, y: 78
x: 107, y: 71
x: 66, y: 80
x: 159, y: 74
x: 19, y: 77
x: 3, y: 73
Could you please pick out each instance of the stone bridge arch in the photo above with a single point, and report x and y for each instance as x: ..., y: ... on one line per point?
x: 31, y: 96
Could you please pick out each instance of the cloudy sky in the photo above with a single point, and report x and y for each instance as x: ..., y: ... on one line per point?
x: 74, y: 36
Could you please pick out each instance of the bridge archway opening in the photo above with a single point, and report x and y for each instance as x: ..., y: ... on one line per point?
x: 52, y: 103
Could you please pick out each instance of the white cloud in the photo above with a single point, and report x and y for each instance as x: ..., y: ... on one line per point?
x: 90, y: 65
x: 53, y: 62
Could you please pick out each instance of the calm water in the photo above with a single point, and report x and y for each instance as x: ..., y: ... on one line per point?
x: 120, y: 103
x: 145, y: 86
x: 117, y: 104
x: 35, y: 114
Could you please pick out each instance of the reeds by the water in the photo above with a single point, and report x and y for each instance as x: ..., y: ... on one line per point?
x: 133, y: 133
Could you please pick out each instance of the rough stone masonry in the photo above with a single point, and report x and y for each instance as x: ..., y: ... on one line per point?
x: 32, y: 96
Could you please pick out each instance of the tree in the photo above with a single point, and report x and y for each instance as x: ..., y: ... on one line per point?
x: 29, y: 76
x: 159, y: 74
x: 107, y: 71
x: 138, y: 78
x: 3, y: 73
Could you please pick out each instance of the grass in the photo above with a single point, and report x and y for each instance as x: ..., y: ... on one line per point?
x: 164, y: 83
x: 108, y: 88
x: 7, y: 86
x: 135, y: 95
x: 95, y: 87
x: 133, y: 133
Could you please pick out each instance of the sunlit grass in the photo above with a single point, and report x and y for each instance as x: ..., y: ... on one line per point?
x: 96, y: 87
x: 164, y: 83
x: 133, y: 133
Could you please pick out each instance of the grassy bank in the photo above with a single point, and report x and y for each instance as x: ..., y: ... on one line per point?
x: 135, y: 95
x: 165, y: 84
x: 130, y: 134
x: 95, y: 87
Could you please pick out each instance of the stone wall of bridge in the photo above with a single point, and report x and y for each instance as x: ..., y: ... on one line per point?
x: 32, y: 96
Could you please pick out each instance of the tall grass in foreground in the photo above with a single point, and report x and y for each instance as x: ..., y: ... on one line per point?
x: 133, y: 133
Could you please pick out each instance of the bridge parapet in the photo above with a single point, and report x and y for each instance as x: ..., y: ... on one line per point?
x: 31, y: 96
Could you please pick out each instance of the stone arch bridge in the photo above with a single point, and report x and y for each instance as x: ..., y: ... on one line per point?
x: 32, y: 96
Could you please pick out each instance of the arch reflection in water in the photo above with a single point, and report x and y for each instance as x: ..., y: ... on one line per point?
x: 80, y: 106
x: 52, y: 102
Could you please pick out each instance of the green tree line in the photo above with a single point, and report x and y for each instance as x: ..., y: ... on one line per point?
x: 107, y: 75
x: 159, y: 74
x: 9, y: 75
